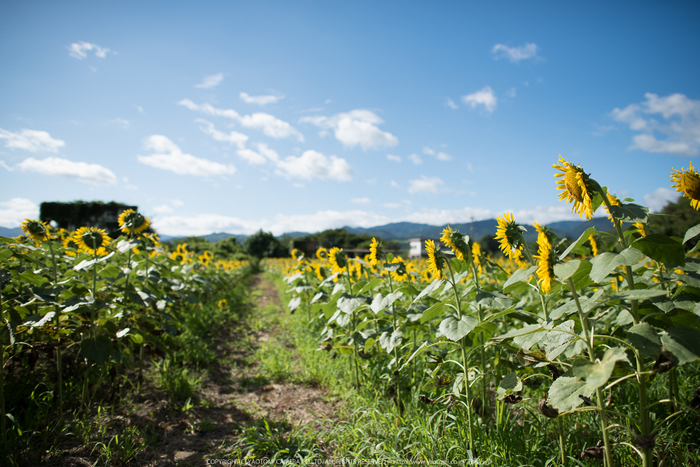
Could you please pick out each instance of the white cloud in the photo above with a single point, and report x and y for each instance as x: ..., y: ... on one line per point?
x: 393, y: 158
x: 451, y: 104
x: 123, y: 122
x: 515, y: 54
x: 428, y: 151
x: 271, y: 154
x: 163, y: 209
x: 441, y: 156
x: 355, y: 128
x: 234, y: 138
x: 657, y: 199
x: 14, y: 211
x: 416, y: 159
x: 79, y: 50
x: 511, y: 93
x: 269, y: 124
x: 260, y: 100
x: 93, y: 174
x: 31, y: 140
x: 312, y: 164
x: 485, y: 97
x: 168, y: 156
x: 392, y: 205
x: 393, y: 184
x: 252, y: 157
x: 210, y: 81
x: 360, y: 200
x: 425, y: 185
x: 674, y: 118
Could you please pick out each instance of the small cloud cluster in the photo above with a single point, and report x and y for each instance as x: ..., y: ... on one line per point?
x: 485, y: 97
x: 31, y: 140
x: 668, y: 124
x: 441, y: 156
x: 515, y: 54
x: 79, y: 50
x: 14, y: 211
x: 312, y: 164
x: 259, y: 100
x: 168, y: 156
x: 210, y: 81
x: 355, y: 128
x: 93, y: 174
x: 425, y: 185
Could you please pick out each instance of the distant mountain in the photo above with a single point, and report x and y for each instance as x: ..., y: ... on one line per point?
x: 14, y: 232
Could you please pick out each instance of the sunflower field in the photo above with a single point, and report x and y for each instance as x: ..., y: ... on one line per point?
x: 82, y: 312
x: 565, y: 352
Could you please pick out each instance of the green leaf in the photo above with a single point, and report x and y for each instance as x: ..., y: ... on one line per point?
x: 565, y: 270
x: 569, y: 307
x: 4, y: 254
x: 509, y: 384
x: 602, y: 266
x: 459, y: 266
x: 136, y: 338
x: 436, y: 310
x: 34, y: 279
x: 564, y: 393
x: 294, y: 303
x: 630, y: 213
x: 661, y: 248
x: 581, y: 240
x: 639, y: 294
x: 455, y: 329
x: 558, y: 339
x: 691, y: 233
x: 369, y: 286
x: 349, y: 304
x: 429, y: 289
x: 521, y: 275
x: 645, y: 339
x: 418, y: 351
x: 98, y: 349
x: 381, y: 302
x: 389, y: 341
x: 683, y: 342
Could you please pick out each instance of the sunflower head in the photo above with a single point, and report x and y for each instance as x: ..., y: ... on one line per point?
x: 510, y: 235
x: 337, y: 259
x: 375, y: 252
x: 133, y: 223
x: 576, y: 186
x: 640, y: 228
x: 36, y: 230
x: 688, y: 183
x: 436, y: 261
x: 70, y: 246
x: 546, y: 258
x: 222, y: 304
x: 476, y: 253
x: 322, y: 254
x: 614, y: 201
x: 295, y: 253
x: 401, y: 274
x: 92, y: 240
x: 455, y: 241
x: 594, y: 245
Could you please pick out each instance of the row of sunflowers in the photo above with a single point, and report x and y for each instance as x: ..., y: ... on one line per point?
x: 85, y: 308
x: 592, y: 334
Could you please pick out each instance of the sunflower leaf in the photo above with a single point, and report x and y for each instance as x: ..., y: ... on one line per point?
x: 661, y: 248
x: 645, y: 339
x: 456, y: 328
x: 683, y: 342
x: 581, y: 240
x: 691, y: 233
x: 429, y: 289
x: 630, y: 213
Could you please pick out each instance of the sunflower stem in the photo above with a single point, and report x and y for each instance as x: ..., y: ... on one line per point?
x: 561, y: 441
x: 3, y: 429
x: 59, y: 366
x: 591, y: 356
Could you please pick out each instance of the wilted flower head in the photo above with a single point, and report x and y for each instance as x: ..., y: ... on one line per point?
x: 510, y: 236
x: 576, y: 186
x: 455, y: 241
x: 36, y: 230
x: 132, y: 222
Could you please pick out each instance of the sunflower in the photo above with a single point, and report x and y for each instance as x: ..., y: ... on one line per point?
x: 375, y: 252
x: 688, y: 183
x: 614, y: 201
x: 455, y: 241
x: 70, y: 246
x: 91, y: 240
x: 476, y: 253
x: 640, y: 228
x: 295, y: 253
x: 322, y: 254
x: 36, y: 230
x: 222, y: 304
x: 435, y: 259
x: 510, y: 236
x: 133, y: 223
x: 337, y: 259
x: 576, y: 186
x: 545, y: 262
x: 594, y: 245
x: 401, y: 274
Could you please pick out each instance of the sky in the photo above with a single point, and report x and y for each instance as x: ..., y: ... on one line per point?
x: 235, y: 116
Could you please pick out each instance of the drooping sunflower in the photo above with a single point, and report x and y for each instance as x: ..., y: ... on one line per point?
x: 222, y: 304
x: 337, y: 259
x: 36, y: 230
x: 455, y: 241
x: 545, y: 262
x: 510, y: 236
x: 322, y: 254
x: 476, y: 253
x: 688, y: 183
x: 614, y: 201
x: 375, y: 252
x: 640, y: 228
x: 401, y: 274
x: 295, y: 253
x: 594, y: 245
x: 435, y: 259
x: 92, y: 240
x: 132, y: 222
x: 576, y: 186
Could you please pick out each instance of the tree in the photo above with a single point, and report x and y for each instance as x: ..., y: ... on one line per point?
x: 675, y: 219
x: 264, y: 245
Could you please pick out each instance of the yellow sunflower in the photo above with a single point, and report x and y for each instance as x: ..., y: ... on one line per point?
x: 222, y: 304
x: 295, y: 253
x: 545, y: 262
x: 510, y: 236
x: 132, y: 222
x: 594, y: 245
x: 36, y: 230
x: 70, y: 246
x: 322, y: 254
x: 688, y: 183
x: 92, y: 240
x: 476, y: 253
x: 614, y: 201
x: 455, y: 241
x: 337, y: 259
x: 640, y: 228
x: 400, y: 274
x: 576, y: 187
x: 435, y: 259
x: 375, y: 252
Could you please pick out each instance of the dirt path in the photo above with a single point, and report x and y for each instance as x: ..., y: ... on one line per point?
x: 233, y: 397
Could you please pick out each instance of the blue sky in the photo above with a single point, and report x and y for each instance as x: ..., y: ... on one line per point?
x: 302, y: 116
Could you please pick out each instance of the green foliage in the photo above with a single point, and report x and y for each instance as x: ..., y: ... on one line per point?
x: 265, y: 245
x: 675, y: 219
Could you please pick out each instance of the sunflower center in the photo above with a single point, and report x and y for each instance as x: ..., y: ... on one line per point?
x: 134, y: 220
x: 572, y: 186
x: 92, y: 238
x: 690, y: 184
